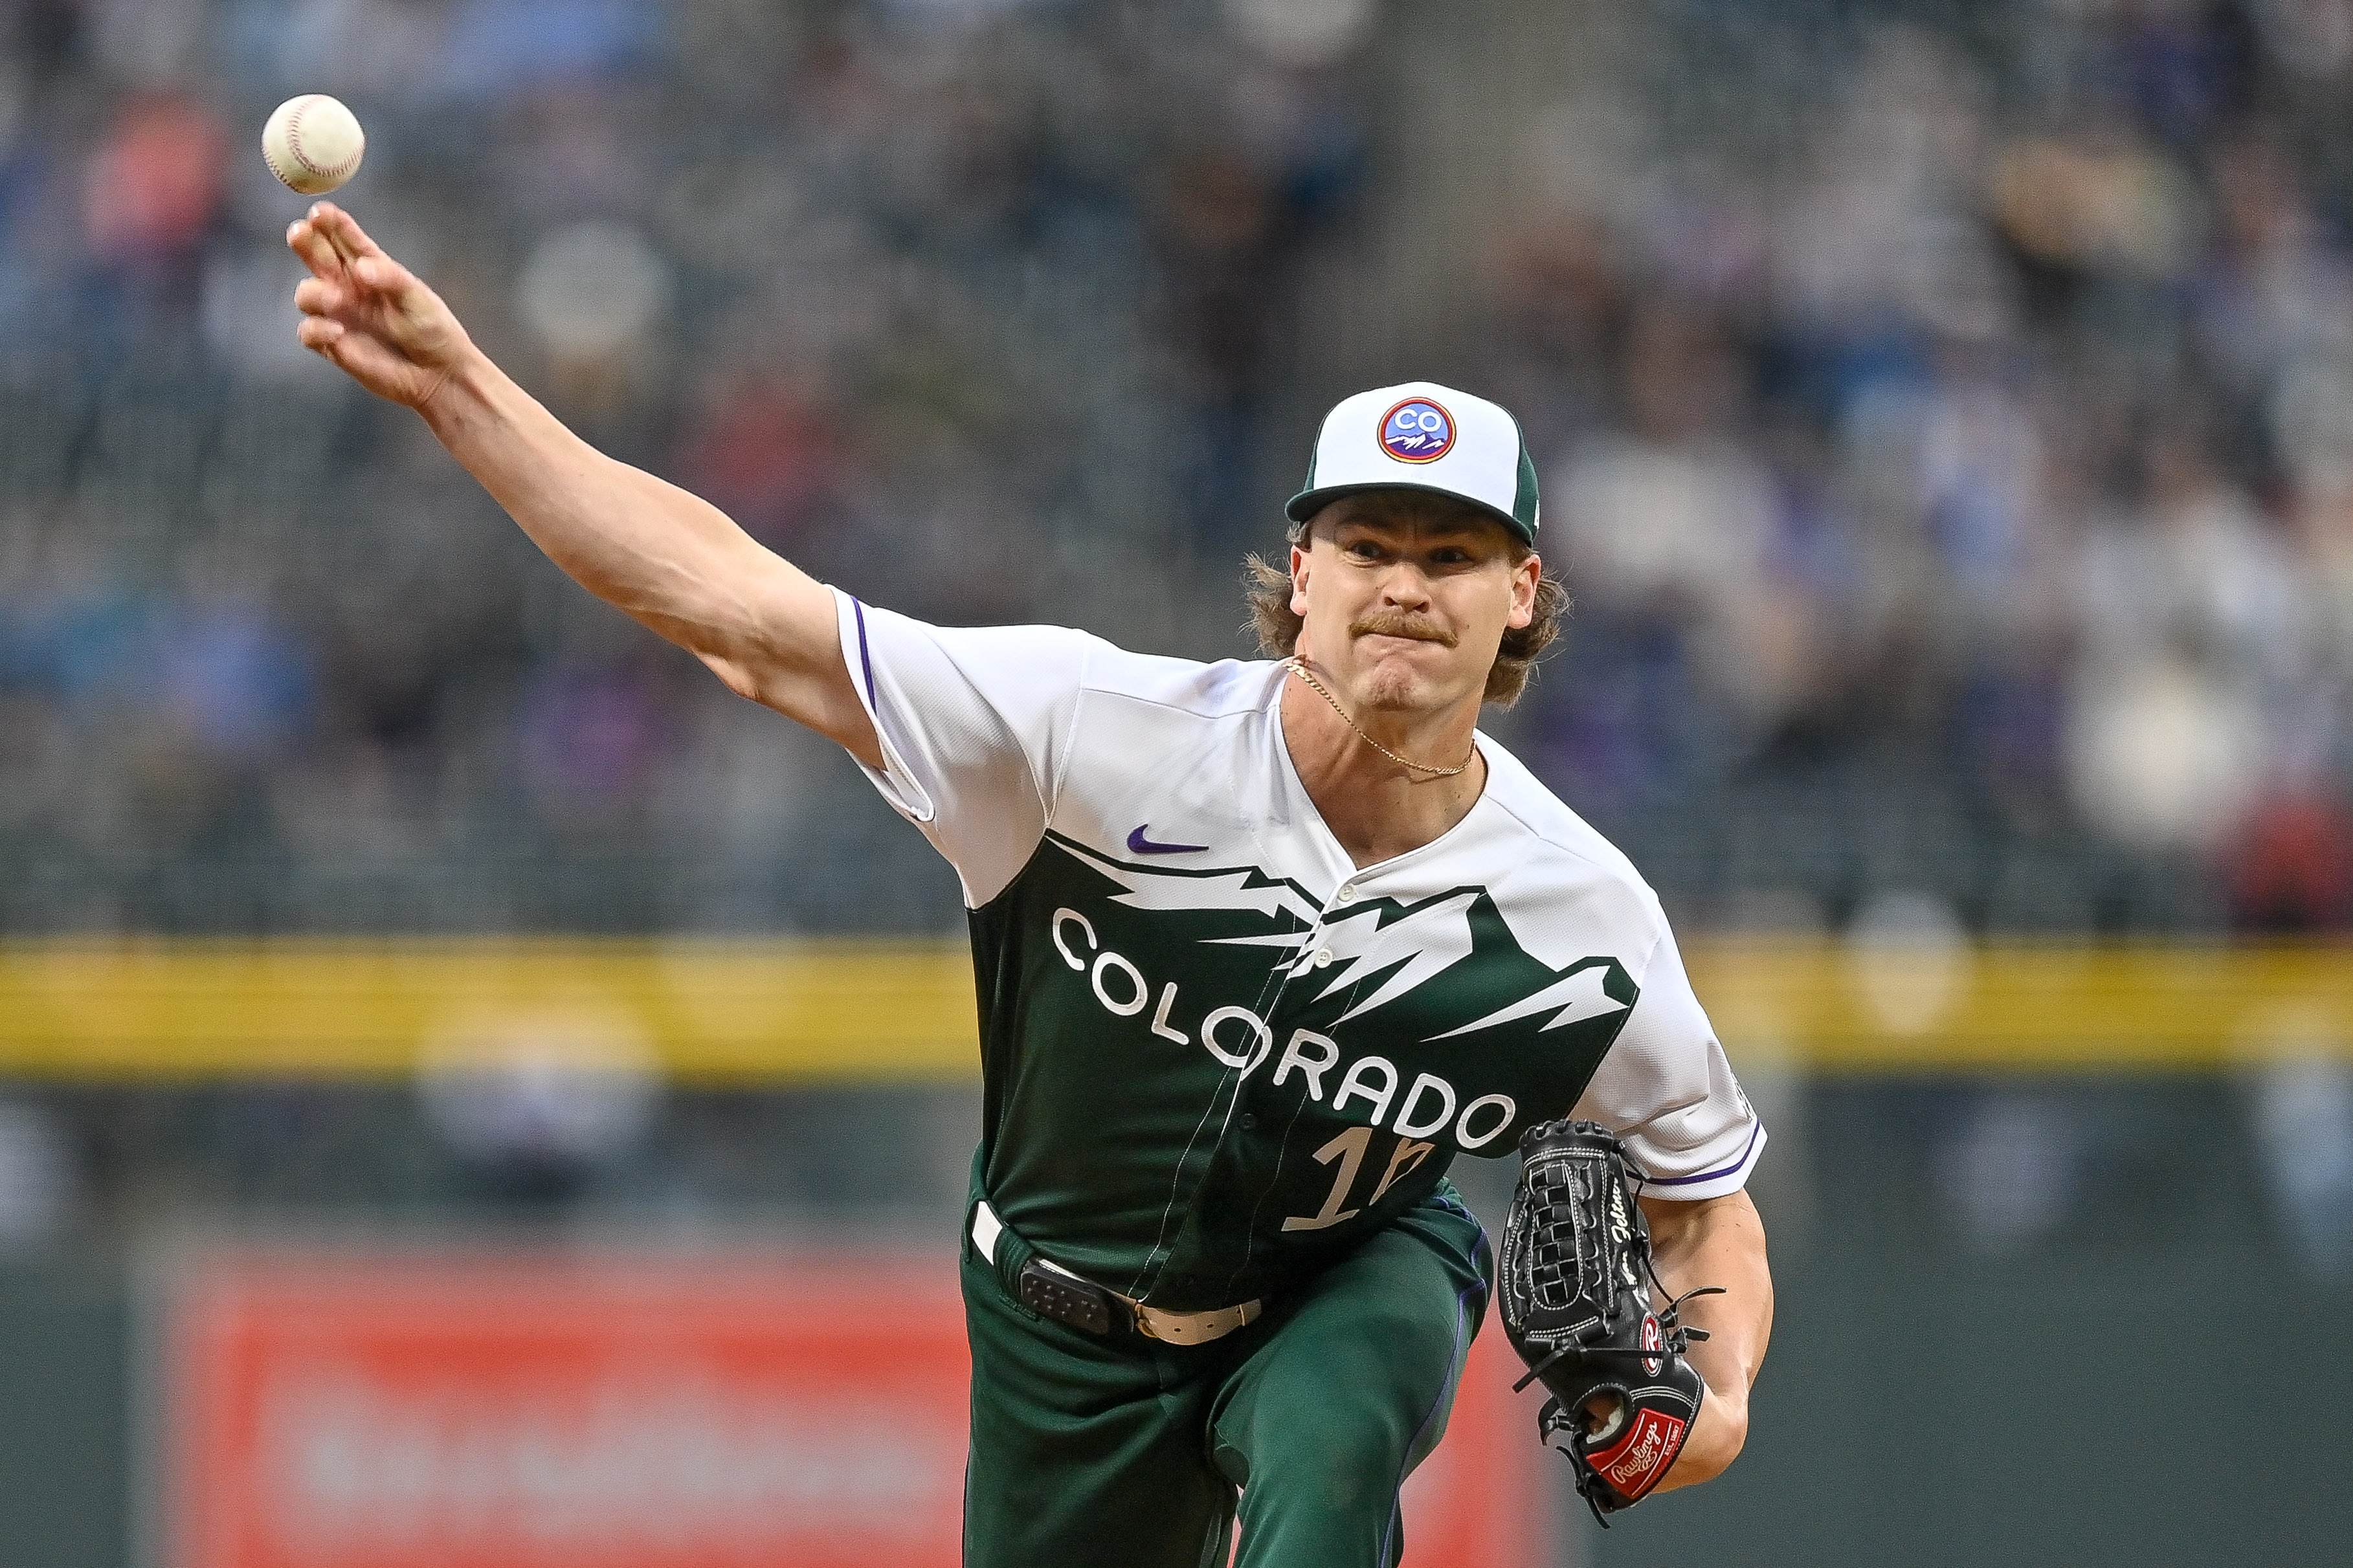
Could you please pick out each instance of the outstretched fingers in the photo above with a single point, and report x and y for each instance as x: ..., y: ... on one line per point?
x: 335, y: 248
x: 304, y: 238
x: 344, y: 231
x: 384, y: 276
x: 318, y: 297
x: 321, y: 333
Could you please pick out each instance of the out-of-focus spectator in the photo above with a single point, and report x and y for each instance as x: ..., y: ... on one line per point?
x: 590, y: 738
x: 2303, y: 1117
x: 2009, y: 1166
x: 766, y: 456
x: 1676, y: 520
x: 38, y: 1181
x: 236, y: 683
x: 2293, y: 872
x: 538, y: 1103
x: 153, y: 192
x: 2195, y: 626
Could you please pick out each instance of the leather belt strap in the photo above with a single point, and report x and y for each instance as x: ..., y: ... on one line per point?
x: 1152, y: 1322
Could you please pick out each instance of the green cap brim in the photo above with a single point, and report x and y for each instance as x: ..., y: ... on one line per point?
x: 1308, y: 503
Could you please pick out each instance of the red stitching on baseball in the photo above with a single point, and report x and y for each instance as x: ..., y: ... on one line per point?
x: 294, y: 137
x: 294, y: 144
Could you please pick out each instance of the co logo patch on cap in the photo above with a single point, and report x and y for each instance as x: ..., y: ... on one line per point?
x: 1417, y: 431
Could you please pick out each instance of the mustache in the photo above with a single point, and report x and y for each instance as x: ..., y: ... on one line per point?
x: 1394, y: 624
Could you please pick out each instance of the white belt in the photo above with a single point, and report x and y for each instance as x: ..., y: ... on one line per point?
x: 1152, y: 1322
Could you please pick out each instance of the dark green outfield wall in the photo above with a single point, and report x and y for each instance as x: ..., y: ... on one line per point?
x: 64, y: 1421
x: 2098, y: 1410
x: 2117, y: 1410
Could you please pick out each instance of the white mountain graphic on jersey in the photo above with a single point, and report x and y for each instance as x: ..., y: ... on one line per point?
x: 1248, y: 888
x: 1578, y: 995
x: 1421, y: 943
x: 1418, y: 943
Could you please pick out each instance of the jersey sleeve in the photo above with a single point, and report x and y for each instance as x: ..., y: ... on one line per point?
x: 1666, y: 1088
x: 975, y: 723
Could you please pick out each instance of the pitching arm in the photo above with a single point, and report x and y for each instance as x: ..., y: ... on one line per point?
x: 672, y: 561
x: 1715, y: 1241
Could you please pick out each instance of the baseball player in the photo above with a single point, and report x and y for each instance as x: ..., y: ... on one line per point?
x: 1261, y: 947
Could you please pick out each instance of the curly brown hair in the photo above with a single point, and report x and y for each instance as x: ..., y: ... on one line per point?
x: 1266, y: 589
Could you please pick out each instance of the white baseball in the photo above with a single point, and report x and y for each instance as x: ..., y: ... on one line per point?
x: 313, y: 143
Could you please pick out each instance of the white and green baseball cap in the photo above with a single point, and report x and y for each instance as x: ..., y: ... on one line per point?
x: 1420, y: 435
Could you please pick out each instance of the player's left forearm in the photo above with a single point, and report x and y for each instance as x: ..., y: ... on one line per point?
x: 1716, y: 1241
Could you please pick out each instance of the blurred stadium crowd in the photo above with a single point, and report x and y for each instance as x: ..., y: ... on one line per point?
x: 1957, y: 471
x: 1946, y: 411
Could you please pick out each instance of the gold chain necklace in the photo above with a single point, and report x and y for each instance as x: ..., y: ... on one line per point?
x: 1298, y: 666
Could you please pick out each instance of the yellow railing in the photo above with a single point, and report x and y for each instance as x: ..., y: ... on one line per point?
x: 2053, y: 1007
x: 708, y: 1010
x: 748, y: 1011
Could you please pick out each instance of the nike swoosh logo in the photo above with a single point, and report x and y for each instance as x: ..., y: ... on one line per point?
x: 1142, y: 846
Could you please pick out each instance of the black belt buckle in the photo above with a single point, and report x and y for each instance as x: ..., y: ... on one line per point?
x: 1064, y: 1299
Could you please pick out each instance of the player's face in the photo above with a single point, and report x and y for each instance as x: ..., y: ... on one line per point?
x: 1406, y: 596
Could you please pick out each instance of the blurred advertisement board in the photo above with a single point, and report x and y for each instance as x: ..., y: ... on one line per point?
x: 328, y: 1410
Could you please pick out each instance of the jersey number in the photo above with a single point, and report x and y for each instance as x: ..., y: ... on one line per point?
x: 1348, y: 1149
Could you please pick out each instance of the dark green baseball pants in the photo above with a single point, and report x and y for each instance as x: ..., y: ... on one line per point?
x: 1128, y: 1453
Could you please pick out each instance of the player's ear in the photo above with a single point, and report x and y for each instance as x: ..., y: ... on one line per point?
x: 1299, y: 579
x: 1525, y: 578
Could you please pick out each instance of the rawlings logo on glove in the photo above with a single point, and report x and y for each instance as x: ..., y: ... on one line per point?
x: 1635, y: 1464
x: 1576, y: 1278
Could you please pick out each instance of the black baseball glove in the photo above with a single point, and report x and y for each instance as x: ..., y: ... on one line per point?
x: 1576, y: 1281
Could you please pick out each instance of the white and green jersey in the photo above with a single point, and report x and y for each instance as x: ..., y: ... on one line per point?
x: 1215, y: 1053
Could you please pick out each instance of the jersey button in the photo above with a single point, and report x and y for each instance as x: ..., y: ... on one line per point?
x: 1323, y: 957
x: 1248, y: 1122
x: 1346, y: 895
